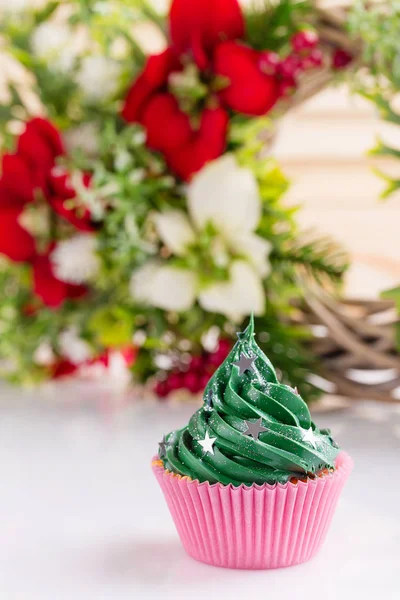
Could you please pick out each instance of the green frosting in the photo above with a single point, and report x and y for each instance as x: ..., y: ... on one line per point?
x: 291, y: 446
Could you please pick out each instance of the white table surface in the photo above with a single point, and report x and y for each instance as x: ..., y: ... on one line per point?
x: 82, y: 517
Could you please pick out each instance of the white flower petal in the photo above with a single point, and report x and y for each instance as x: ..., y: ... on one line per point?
x: 98, y: 77
x: 54, y: 43
x: 257, y: 250
x: 236, y: 298
x: 44, y: 354
x: 141, y: 282
x: 175, y: 230
x: 75, y: 260
x: 73, y: 347
x: 164, y: 286
x: 225, y: 194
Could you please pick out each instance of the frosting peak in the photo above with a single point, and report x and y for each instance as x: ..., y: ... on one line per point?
x: 251, y: 428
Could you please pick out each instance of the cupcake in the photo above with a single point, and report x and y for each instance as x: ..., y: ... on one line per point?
x: 251, y: 482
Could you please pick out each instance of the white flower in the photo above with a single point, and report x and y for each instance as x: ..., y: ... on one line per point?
x: 72, y: 347
x: 225, y: 195
x: 164, y: 286
x: 44, y: 354
x: 75, y: 260
x: 98, y: 77
x: 239, y: 296
x: 54, y: 43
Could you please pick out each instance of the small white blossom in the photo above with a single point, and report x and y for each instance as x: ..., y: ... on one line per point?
x: 54, y: 43
x: 44, y: 354
x: 98, y: 77
x: 75, y: 260
x: 73, y: 347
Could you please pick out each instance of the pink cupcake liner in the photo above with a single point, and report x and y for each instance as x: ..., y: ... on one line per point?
x: 258, y: 527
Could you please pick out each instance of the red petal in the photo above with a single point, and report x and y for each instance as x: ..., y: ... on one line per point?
x: 15, y: 242
x: 40, y: 144
x: 62, y: 193
x: 16, y: 185
x: 60, y: 184
x: 207, y: 144
x: 76, y: 291
x: 210, y: 20
x: 250, y: 91
x: 166, y: 125
x: 51, y: 290
x: 153, y: 78
x: 81, y: 221
x: 63, y: 368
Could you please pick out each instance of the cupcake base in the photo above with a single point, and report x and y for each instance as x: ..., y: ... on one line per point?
x: 258, y: 527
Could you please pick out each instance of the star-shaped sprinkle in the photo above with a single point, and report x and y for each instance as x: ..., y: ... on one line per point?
x: 162, y: 447
x: 207, y: 444
x: 254, y: 429
x: 308, y: 436
x: 245, y: 364
x: 296, y: 391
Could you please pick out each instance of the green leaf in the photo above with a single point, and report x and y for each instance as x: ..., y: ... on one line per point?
x: 111, y: 326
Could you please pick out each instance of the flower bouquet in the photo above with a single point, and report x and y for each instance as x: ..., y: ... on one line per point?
x: 141, y: 217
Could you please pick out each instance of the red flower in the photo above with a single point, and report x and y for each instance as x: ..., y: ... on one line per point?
x: 38, y: 147
x: 205, y: 29
x: 63, y: 368
x: 51, y: 290
x: 167, y: 126
x: 63, y: 200
x: 17, y: 182
x: 250, y: 91
x: 15, y: 241
x: 208, y: 143
x: 153, y: 79
x: 22, y: 173
x: 199, y: 25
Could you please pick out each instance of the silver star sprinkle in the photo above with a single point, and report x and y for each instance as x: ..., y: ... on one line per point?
x: 254, y: 429
x: 162, y: 447
x: 308, y: 436
x: 245, y: 364
x: 207, y: 444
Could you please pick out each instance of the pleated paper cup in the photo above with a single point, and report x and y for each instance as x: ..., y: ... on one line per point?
x: 258, y: 527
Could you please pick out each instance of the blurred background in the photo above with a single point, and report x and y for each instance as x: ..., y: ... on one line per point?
x: 81, y: 516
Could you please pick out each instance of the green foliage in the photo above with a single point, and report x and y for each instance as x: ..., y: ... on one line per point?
x: 270, y: 24
x: 379, y: 81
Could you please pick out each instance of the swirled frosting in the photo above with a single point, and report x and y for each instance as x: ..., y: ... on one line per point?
x: 288, y: 444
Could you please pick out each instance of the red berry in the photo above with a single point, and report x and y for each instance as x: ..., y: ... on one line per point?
x: 191, y: 381
x: 175, y: 381
x: 304, y: 40
x: 314, y: 59
x: 287, y: 87
x: 161, y: 389
x: 196, y: 363
x: 341, y: 59
x: 290, y: 66
x: 268, y: 62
